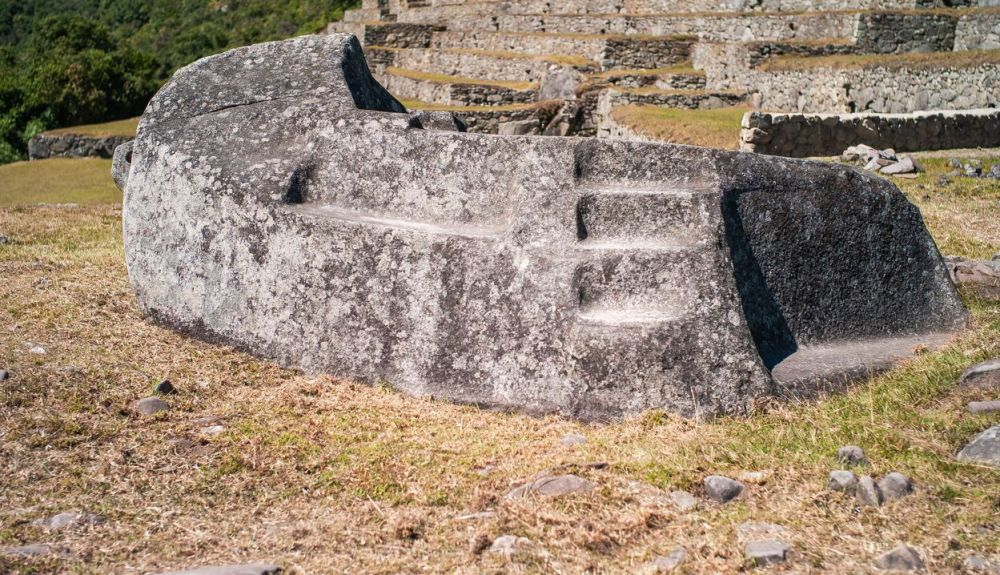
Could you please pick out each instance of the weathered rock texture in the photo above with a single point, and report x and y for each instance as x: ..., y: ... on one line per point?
x: 804, y: 135
x: 279, y: 200
x: 73, y: 146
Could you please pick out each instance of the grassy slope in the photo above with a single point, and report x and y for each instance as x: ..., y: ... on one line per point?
x: 58, y: 180
x: 719, y: 128
x: 116, y: 128
x: 324, y: 475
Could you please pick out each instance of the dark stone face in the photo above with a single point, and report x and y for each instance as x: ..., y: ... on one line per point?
x: 279, y: 200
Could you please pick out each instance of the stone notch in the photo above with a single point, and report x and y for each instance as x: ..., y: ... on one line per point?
x: 279, y: 200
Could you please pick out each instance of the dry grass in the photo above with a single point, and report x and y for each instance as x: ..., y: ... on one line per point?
x: 421, y: 105
x: 719, y: 128
x: 58, y: 180
x: 327, y: 476
x: 448, y: 79
x: 116, y: 128
x: 682, y: 68
x: 910, y: 60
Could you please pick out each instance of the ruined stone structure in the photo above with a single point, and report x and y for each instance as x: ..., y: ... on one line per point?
x: 47, y: 145
x: 495, y: 62
x: 278, y: 199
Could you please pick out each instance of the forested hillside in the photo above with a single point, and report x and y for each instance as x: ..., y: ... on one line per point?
x: 66, y: 62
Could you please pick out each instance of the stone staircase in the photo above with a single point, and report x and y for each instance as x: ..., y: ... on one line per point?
x: 482, y: 58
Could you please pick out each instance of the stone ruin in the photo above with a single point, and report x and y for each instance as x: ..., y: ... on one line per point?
x: 279, y: 200
x: 567, y: 68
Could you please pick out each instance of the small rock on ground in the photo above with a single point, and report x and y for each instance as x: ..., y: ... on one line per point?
x: 573, y: 439
x: 757, y: 530
x: 250, y: 569
x: 982, y: 375
x: 683, y: 500
x: 984, y: 448
x: 895, y: 486
x: 151, y: 406
x: 213, y: 429
x: 852, y: 455
x: 508, y: 545
x: 34, y: 550
x: 722, y: 489
x: 36, y: 350
x: 842, y: 480
x: 984, y: 406
x: 70, y: 519
x: 4, y: 375
x: 165, y: 388
x: 666, y: 563
x: 867, y: 492
x: 902, y: 558
x: 981, y: 565
x: 552, y: 486
x: 766, y: 552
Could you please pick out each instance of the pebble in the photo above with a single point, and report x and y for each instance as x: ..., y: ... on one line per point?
x: 902, y: 558
x: 683, y: 500
x: 984, y: 406
x: 722, y: 489
x: 852, y: 455
x: 842, y: 480
x: 552, y: 486
x: 250, y: 569
x: 984, y: 448
x: 4, y: 375
x: 755, y: 477
x: 766, y: 552
x: 151, y: 405
x: 4, y: 240
x: 508, y: 545
x: 70, y: 519
x: 667, y: 563
x: 213, y: 429
x: 895, y: 486
x: 982, y: 375
x: 982, y: 565
x: 573, y: 439
x: 37, y: 350
x: 867, y: 492
x: 165, y: 388
x: 34, y: 550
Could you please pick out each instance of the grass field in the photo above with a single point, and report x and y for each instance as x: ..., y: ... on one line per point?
x: 328, y: 476
x: 718, y: 128
x: 116, y: 128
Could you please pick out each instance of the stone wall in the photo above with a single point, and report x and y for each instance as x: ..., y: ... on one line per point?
x: 979, y: 31
x: 72, y: 146
x: 876, y: 89
x: 895, y: 32
x: 799, y: 135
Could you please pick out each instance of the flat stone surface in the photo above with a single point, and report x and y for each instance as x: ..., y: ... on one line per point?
x: 984, y: 406
x: 508, y: 545
x: 248, y: 569
x: 70, y: 519
x: 573, y: 439
x: 667, y: 563
x: 867, y: 492
x: 976, y: 564
x: 852, y: 455
x: 34, y: 550
x: 552, y: 486
x: 902, y: 558
x: 151, y: 406
x: 895, y: 486
x: 984, y: 448
x: 683, y: 500
x: 982, y: 375
x: 722, y: 489
x: 842, y: 480
x: 766, y: 552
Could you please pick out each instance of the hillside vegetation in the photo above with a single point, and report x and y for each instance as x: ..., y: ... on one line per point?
x: 68, y: 62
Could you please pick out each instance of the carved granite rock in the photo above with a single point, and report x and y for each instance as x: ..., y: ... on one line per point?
x: 279, y: 200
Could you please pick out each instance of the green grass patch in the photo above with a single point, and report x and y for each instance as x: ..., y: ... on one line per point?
x: 82, y: 181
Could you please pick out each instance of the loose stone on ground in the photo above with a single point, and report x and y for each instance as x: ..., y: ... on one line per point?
x: 867, y: 492
x: 982, y: 375
x: 842, y: 480
x: 69, y: 519
x: 852, y: 455
x: 984, y: 406
x: 895, y: 486
x: 508, y: 545
x: 722, y: 489
x: 766, y: 552
x: 552, y: 486
x: 984, y: 448
x: 151, y: 406
x: 977, y: 564
x: 573, y: 439
x: 902, y: 558
x: 683, y: 500
x: 666, y: 563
